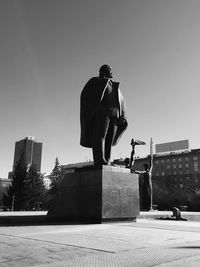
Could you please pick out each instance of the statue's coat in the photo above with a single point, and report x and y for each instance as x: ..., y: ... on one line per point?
x: 91, y: 100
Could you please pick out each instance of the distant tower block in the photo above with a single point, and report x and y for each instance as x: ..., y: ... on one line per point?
x: 30, y: 151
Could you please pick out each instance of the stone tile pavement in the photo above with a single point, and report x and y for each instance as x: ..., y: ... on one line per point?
x: 146, y: 242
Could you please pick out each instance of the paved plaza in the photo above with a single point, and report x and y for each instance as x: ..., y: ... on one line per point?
x: 147, y: 242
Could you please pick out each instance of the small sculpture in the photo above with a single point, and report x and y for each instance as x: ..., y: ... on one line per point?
x: 102, y: 115
x: 176, y: 215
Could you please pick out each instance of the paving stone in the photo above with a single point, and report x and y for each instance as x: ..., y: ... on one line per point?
x: 145, y: 243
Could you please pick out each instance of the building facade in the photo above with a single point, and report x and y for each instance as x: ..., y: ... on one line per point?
x: 175, y: 178
x: 46, y: 180
x: 174, y: 163
x: 5, y: 182
x: 29, y: 151
x: 70, y: 167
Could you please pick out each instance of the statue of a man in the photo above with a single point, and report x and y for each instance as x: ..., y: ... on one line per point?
x: 146, y: 184
x: 102, y: 115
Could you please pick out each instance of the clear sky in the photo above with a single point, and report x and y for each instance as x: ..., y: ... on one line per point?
x: 50, y: 48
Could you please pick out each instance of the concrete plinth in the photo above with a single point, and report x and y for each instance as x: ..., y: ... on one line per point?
x: 89, y: 194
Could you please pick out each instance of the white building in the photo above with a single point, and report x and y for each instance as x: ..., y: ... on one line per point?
x: 46, y: 180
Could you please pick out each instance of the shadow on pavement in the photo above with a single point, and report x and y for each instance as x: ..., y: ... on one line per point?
x: 188, y: 247
x: 41, y: 220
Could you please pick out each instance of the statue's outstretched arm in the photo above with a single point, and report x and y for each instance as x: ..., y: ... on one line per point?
x: 132, y: 158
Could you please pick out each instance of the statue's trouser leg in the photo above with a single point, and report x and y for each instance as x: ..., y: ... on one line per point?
x: 147, y: 197
x: 120, y: 129
x: 112, y: 129
x: 100, y: 129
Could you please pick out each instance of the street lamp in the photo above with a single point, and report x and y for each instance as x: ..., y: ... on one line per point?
x: 13, y: 201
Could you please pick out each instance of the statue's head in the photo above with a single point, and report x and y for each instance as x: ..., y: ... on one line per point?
x: 105, y: 71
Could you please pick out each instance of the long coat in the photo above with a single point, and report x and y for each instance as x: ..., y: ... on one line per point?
x: 90, y: 101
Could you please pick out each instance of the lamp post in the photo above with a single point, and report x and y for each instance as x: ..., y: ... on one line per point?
x: 13, y: 202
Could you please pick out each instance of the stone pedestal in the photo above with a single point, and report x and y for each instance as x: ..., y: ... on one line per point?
x: 97, y: 195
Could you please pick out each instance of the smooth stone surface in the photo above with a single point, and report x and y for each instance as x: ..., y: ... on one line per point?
x: 109, y: 193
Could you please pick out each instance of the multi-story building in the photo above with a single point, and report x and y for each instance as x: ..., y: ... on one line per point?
x: 70, y: 167
x: 46, y: 180
x: 175, y: 177
x: 5, y: 182
x: 173, y: 163
x: 29, y: 151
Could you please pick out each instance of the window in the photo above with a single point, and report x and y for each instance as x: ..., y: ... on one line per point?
x: 187, y: 165
x: 180, y: 166
x: 163, y: 174
x: 174, y: 172
x: 168, y: 167
x: 195, y: 164
x: 168, y: 160
x: 186, y: 158
x: 173, y: 160
x: 157, y: 161
x: 162, y: 160
x: 174, y: 166
x: 180, y: 172
x: 196, y: 167
x: 179, y: 159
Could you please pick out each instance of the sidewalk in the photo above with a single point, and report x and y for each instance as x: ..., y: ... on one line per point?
x: 147, y: 242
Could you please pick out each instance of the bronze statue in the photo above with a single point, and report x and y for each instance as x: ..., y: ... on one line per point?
x: 102, y: 115
x: 146, y: 185
x: 132, y: 157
